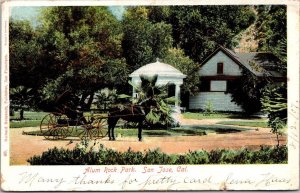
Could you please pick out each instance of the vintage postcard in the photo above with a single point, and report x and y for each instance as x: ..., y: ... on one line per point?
x: 149, y: 95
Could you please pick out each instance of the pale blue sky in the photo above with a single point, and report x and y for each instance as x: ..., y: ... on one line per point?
x: 31, y: 13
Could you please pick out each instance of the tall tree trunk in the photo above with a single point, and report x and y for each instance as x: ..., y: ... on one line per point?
x: 21, y: 114
x: 89, y: 103
x: 81, y: 102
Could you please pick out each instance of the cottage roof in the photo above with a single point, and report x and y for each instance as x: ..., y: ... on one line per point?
x: 159, y: 68
x: 259, y: 63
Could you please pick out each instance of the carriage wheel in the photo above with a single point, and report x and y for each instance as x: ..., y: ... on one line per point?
x: 63, y: 125
x: 102, y: 128
x: 54, y: 127
x: 85, y: 127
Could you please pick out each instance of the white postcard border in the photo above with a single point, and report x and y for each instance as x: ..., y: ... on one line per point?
x: 194, y: 177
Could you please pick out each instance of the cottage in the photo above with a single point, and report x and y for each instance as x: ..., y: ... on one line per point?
x: 224, y: 65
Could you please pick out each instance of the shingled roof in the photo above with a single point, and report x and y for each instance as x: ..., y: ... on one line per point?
x: 259, y: 63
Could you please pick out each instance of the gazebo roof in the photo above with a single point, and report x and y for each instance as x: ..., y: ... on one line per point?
x: 159, y: 68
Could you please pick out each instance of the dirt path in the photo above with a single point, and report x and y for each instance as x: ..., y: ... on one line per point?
x: 23, y: 147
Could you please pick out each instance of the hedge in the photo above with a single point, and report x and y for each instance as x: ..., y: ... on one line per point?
x: 82, y: 155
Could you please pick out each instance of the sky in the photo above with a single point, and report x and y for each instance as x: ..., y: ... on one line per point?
x: 31, y: 13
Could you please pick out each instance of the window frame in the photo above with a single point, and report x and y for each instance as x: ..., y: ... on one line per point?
x: 220, y: 68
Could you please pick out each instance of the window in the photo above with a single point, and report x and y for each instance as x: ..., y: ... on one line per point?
x: 220, y: 68
x: 205, y: 85
x: 218, y: 85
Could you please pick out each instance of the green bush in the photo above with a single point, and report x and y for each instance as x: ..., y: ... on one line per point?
x: 82, y: 154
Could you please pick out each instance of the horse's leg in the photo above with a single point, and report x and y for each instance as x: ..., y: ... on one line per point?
x: 140, y: 130
x: 111, y: 127
x: 109, y: 121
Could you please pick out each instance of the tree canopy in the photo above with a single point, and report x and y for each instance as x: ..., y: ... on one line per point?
x: 77, y: 51
x: 198, y: 30
x: 85, y: 49
x: 271, y: 28
x: 143, y: 40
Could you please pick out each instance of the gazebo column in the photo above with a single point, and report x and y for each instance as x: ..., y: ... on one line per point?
x: 177, y: 94
x: 133, y: 92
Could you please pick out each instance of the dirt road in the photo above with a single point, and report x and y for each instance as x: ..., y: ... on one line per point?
x: 23, y: 147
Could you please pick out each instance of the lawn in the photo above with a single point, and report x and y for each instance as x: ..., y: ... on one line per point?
x: 24, y: 123
x: 32, y: 119
x: 189, y: 115
x: 246, y: 123
x: 181, y: 131
x: 29, y: 115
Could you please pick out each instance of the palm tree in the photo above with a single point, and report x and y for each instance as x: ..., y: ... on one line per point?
x: 148, y: 88
x: 21, y: 99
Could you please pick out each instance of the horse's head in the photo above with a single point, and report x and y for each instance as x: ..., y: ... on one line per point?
x: 149, y: 104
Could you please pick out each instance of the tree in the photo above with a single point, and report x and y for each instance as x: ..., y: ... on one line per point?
x: 271, y: 35
x: 106, y: 98
x: 246, y: 91
x: 162, y: 116
x: 21, y: 99
x: 199, y: 30
x: 271, y: 28
x: 82, y: 52
x: 274, y: 102
x: 143, y: 40
x: 187, y: 66
x: 24, y: 51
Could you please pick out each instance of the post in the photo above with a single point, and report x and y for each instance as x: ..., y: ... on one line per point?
x: 177, y: 94
x: 133, y: 92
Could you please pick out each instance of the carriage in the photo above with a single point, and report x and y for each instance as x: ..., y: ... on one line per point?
x: 67, y: 119
x: 59, y: 126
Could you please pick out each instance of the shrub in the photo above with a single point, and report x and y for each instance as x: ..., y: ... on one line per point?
x: 193, y: 157
x: 208, y: 108
x: 83, y: 155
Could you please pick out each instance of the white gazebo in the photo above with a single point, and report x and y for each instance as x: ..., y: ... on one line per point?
x: 165, y: 72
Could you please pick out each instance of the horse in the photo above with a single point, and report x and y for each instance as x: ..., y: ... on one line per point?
x: 132, y: 113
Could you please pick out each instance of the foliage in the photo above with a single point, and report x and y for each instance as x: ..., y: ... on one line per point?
x: 84, y: 154
x: 106, y: 98
x: 246, y: 91
x: 162, y: 115
x: 274, y: 102
x: 198, y: 30
x: 75, y: 50
x: 208, y: 108
x: 271, y: 28
x: 144, y: 41
x: 272, y: 35
x: 187, y: 66
x: 23, y: 51
x: 21, y: 98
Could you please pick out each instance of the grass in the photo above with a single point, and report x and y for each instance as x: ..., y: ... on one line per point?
x: 29, y: 115
x: 24, y: 123
x: 33, y: 119
x: 246, y: 123
x: 181, y: 131
x: 189, y: 115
